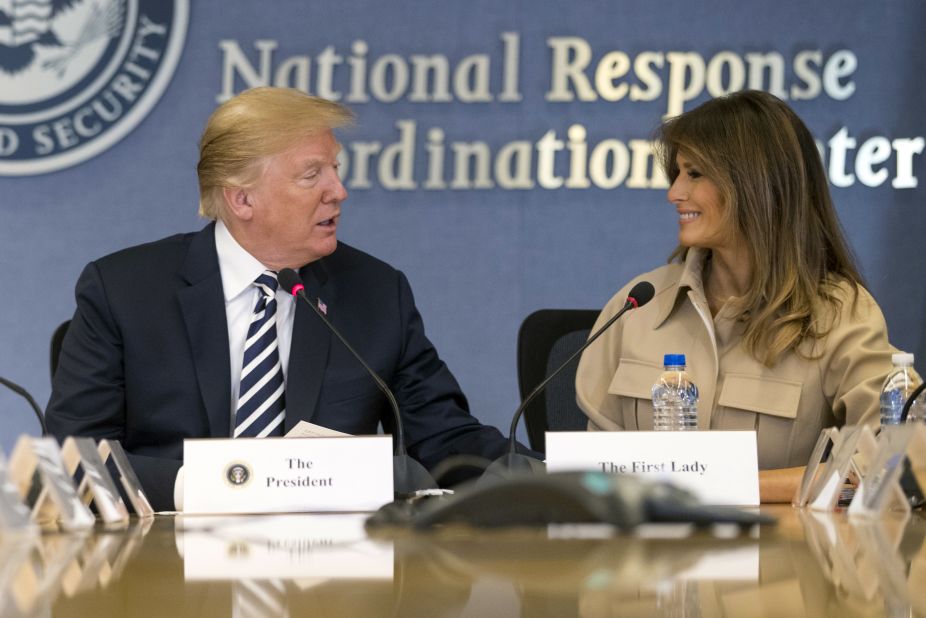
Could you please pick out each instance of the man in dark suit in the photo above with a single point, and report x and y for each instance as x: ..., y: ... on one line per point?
x: 174, y: 339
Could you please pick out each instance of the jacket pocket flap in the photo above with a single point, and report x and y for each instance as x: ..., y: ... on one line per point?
x: 764, y: 395
x: 634, y: 378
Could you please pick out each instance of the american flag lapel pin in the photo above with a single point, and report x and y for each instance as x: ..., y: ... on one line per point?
x: 322, y: 306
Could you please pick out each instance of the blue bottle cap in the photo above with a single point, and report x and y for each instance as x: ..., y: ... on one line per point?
x: 673, y: 360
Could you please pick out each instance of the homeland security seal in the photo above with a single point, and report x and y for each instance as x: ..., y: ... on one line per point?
x: 76, y: 76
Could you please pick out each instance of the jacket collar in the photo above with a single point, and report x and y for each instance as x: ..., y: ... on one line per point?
x: 202, y: 261
x: 691, y: 279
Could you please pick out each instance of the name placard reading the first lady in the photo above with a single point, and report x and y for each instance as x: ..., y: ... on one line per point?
x: 719, y: 467
x: 287, y: 475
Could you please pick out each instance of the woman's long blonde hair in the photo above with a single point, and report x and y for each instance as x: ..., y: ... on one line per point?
x: 768, y: 169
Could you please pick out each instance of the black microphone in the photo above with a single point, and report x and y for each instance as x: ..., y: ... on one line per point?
x: 408, y: 475
x: 19, y: 390
x: 640, y: 294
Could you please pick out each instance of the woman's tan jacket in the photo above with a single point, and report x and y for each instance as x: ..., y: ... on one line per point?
x: 787, y: 405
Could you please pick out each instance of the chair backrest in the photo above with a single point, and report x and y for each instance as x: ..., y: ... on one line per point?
x: 57, y: 338
x: 547, y: 338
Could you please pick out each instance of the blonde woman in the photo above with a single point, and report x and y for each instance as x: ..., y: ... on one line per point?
x: 761, y: 294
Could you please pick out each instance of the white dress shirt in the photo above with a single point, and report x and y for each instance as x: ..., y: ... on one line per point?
x: 239, y: 270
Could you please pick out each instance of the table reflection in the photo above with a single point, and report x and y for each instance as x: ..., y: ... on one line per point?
x: 869, y: 561
x: 37, y: 569
x: 656, y: 571
x: 292, y: 565
x: 298, y: 547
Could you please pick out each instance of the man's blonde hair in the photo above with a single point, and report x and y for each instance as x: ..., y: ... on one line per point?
x: 245, y: 131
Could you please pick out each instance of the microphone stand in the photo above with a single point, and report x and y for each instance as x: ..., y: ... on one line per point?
x: 512, y: 441
x: 408, y: 475
x: 513, y: 461
x: 19, y: 390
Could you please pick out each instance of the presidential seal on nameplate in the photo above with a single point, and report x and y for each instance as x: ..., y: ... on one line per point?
x: 719, y: 467
x: 287, y: 475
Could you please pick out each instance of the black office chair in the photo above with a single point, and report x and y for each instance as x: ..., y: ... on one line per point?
x: 56, y: 339
x: 547, y: 338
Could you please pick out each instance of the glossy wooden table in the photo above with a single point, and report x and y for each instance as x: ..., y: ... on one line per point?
x: 327, y: 565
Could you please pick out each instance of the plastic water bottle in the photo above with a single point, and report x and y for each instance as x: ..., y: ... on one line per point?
x: 897, y: 388
x: 675, y: 397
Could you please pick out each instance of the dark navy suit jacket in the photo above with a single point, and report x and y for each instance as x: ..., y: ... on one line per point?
x: 145, y: 360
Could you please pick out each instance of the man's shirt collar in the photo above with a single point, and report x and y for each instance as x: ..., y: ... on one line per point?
x: 239, y: 268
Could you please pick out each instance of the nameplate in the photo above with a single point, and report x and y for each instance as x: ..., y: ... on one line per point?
x: 815, y: 474
x: 287, y: 475
x: 112, y: 449
x: 853, y: 448
x: 881, y: 487
x: 719, y: 467
x: 96, y: 484
x: 47, y: 489
x: 14, y: 516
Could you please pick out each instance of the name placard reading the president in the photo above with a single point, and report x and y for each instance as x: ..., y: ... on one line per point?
x: 287, y: 475
x: 719, y: 467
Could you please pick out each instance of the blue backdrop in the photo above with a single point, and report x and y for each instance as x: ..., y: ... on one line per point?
x: 500, y: 158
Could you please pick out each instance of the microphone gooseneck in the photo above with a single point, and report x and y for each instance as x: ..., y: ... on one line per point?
x: 640, y: 294
x: 292, y: 283
x: 408, y: 475
x: 19, y: 390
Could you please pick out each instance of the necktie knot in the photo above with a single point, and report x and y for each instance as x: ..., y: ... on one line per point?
x: 267, y: 282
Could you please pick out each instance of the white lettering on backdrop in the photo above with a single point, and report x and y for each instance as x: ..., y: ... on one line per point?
x: 557, y: 158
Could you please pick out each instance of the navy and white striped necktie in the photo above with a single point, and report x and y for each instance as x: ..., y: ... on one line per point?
x: 261, y: 405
